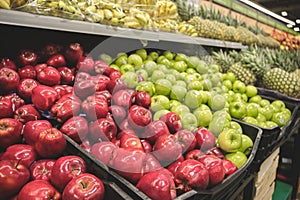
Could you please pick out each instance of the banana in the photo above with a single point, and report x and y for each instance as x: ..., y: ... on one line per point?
x: 62, y: 5
x: 114, y: 21
x: 108, y: 14
x: 90, y: 10
x: 100, y: 13
x: 141, y: 18
x: 117, y: 13
x: 4, y: 4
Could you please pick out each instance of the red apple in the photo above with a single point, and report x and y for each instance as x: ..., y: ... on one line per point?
x: 27, y: 71
x: 205, y: 138
x: 139, y: 117
x: 114, y: 85
x: 26, y: 113
x: 49, y: 76
x: 187, y: 140
x: 125, y: 125
x: 95, y: 107
x: 215, y: 151
x: 118, y: 113
x: 85, y: 64
x: 154, y: 130
x: 8, y: 63
x: 84, y: 88
x: 43, y: 97
x: 49, y: 50
x: 41, y: 169
x: 101, y: 67
x: 151, y: 164
x: 215, y: 168
x: 50, y: 143
x: 40, y: 67
x: 103, y: 151
x: 106, y: 94
x: 9, y: 80
x: 16, y: 100
x: 191, y: 174
x: 147, y: 146
x: 66, y: 107
x: 10, y: 132
x: 114, y: 74
x: 195, y: 154
x: 81, y: 76
x: 76, y: 128
x: 131, y: 141
x: 25, y: 88
x: 102, y: 130
x: 61, y: 90
x: 84, y: 186
x: 157, y: 185
x: 173, y: 121
x: 6, y: 107
x: 229, y: 167
x: 13, y: 177
x: 86, y: 145
x: 57, y: 60
x: 73, y: 53
x: 174, y: 165
x: 67, y: 75
x: 27, y: 57
x: 32, y: 130
x: 65, y: 169
x: 38, y: 189
x: 142, y: 98
x: 100, y: 81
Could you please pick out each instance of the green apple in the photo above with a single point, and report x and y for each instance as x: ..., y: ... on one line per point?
x: 287, y: 111
x: 163, y: 60
x: 203, y: 117
x: 230, y: 140
x: 121, y: 60
x: 126, y: 68
x: 171, y: 78
x: 143, y: 73
x: 190, y: 70
x: 174, y: 104
x: 159, y: 113
x: 189, y: 121
x: 255, y: 99
x: 147, y: 86
x: 250, y: 120
x: 193, y: 61
x: 252, y: 109
x: 205, y: 96
x: 236, y: 126
x: 228, y: 97
x: 262, y: 124
x: 207, y: 85
x: 202, y: 67
x: 114, y: 66
x: 215, y: 79
x: 195, y: 85
x: 239, y: 87
x: 130, y: 78
x: 230, y: 76
x: 135, y: 60
x: 163, y: 87
x: 251, y: 91
x: 105, y: 58
x: 178, y: 93
x: 193, y: 99
x: 157, y: 74
x: 142, y: 53
x: 219, y: 122
x: 180, y: 66
x: 237, y: 97
x: 238, y: 158
x: 247, y: 145
x: 164, y: 68
x: 260, y: 118
x: 267, y: 111
x: 238, y: 109
x: 270, y: 124
x: 214, y: 68
x: 244, y: 97
x: 150, y: 66
x: 202, y: 107
x: 175, y: 73
x: 181, y: 83
x: 264, y: 102
x: 154, y: 55
x: 180, y: 110
x: 181, y: 57
x: 217, y: 102
x: 168, y: 54
x: 281, y: 118
x: 278, y: 105
x: 159, y: 102
x: 227, y: 84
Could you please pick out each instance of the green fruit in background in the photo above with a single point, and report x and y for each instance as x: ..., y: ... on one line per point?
x: 181, y: 83
x: 247, y: 145
x: 264, y: 103
x: 114, y: 66
x: 171, y: 78
x: 159, y: 113
x: 195, y: 85
x: 178, y: 93
x: 219, y: 122
x: 121, y: 60
x: 165, y: 69
x: 169, y: 55
x: 250, y: 120
x: 180, y: 66
x: 159, y: 102
x: 203, y: 117
x: 147, y: 86
x: 105, y: 58
x: 202, y: 67
x: 126, y: 68
x: 239, y: 87
x: 236, y: 126
x: 230, y: 140
x: 154, y: 55
x: 270, y: 124
x: 238, y: 109
x: 252, y: 109
x: 278, y: 105
x: 150, y: 66
x: 175, y: 73
x: 255, y: 99
x: 261, y: 124
x: 193, y: 99
x: 131, y: 79
x: 191, y: 70
x: 202, y: 107
x: 281, y: 118
x: 251, y: 91
x: 207, y: 85
x: 261, y: 118
x: 181, y: 57
x: 164, y: 61
x: 157, y: 74
x: 189, y: 121
x: 142, y: 53
x: 163, y: 87
x: 143, y: 73
x: 214, y: 68
x: 230, y: 76
x: 135, y: 60
x: 217, y: 102
x: 180, y: 110
x: 205, y: 96
x: 174, y: 104
x: 191, y: 77
x: 267, y: 111
x: 193, y: 61
x: 227, y: 84
x: 238, y: 158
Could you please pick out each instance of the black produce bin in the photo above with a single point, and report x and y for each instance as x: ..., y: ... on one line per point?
x: 220, y: 191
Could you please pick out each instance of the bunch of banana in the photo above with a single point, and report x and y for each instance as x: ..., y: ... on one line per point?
x: 137, y: 19
x: 5, y: 4
x: 165, y: 9
x: 187, y: 29
x: 167, y: 25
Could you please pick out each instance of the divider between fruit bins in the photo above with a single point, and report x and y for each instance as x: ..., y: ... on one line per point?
x: 219, y: 191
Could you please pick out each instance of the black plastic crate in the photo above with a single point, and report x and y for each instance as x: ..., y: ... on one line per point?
x: 219, y: 191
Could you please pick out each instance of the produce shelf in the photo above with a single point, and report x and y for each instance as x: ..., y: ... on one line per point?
x: 19, y: 18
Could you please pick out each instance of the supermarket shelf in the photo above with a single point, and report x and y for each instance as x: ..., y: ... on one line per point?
x: 18, y: 18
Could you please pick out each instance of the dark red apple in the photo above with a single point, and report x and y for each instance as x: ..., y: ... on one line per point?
x: 114, y: 85
x: 205, y: 138
x: 139, y: 117
x: 142, y: 98
x: 67, y: 75
x: 25, y: 88
x: 6, y: 107
x: 229, y: 167
x: 84, y: 186
x: 154, y: 130
x: 73, y: 53
x: 10, y: 132
x: 102, y: 130
x: 39, y: 67
x: 151, y: 164
x: 215, y: 151
x: 65, y: 169
x: 49, y: 50
x: 32, y: 130
x: 84, y: 88
x: 9, y: 80
x: 49, y: 76
x: 41, y: 169
x: 114, y: 74
x: 51, y: 143
x: 106, y: 94
x: 118, y: 113
x: 81, y: 76
x: 146, y: 145
x: 85, y: 64
x: 61, y: 90
x: 16, y: 100
x: 8, y: 63
x: 27, y: 57
x: 76, y: 128
x: 57, y: 60
x: 174, y: 166
x: 100, y: 81
x: 125, y: 125
x: 27, y: 71
x: 187, y: 140
x: 38, y: 189
x: 131, y: 141
x: 26, y: 113
x: 103, y: 151
x: 13, y: 177
x: 43, y: 97
x: 101, y: 67
x: 173, y: 121
x: 95, y: 107
x: 195, y: 154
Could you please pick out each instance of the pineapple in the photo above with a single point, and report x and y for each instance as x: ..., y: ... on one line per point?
x: 282, y: 81
x: 242, y: 74
x: 186, y: 10
x: 223, y: 59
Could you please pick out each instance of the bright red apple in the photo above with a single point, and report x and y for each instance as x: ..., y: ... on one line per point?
x: 25, y: 88
x: 9, y: 80
x: 49, y: 76
x: 42, y: 169
x: 76, y: 128
x: 43, y: 97
x: 27, y: 113
x: 103, y: 151
x: 27, y: 71
x: 102, y: 130
x: 10, y: 132
x: 205, y: 138
x: 32, y: 130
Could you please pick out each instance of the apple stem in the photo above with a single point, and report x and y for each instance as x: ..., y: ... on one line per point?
x: 17, y: 164
x: 3, y: 127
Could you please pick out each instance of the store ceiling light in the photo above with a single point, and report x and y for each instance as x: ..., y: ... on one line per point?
x: 289, y: 25
x: 268, y: 12
x: 284, y: 13
x: 297, y: 29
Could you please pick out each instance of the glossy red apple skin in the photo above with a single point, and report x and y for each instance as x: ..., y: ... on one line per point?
x: 27, y: 57
x: 26, y: 113
x: 49, y: 50
x: 173, y: 121
x: 229, y: 167
x: 146, y: 145
x: 43, y: 97
x: 195, y: 154
x: 100, y: 81
x: 32, y: 130
x: 8, y: 63
x: 114, y: 74
x: 84, y: 88
x: 13, y: 177
x: 67, y: 75
x: 81, y: 76
x: 57, y: 60
x: 142, y: 98
x: 76, y: 128
x: 205, y: 139
x: 51, y: 143
x: 85, y: 64
x: 191, y: 174
x: 118, y: 113
x: 102, y: 130
x: 139, y: 117
x: 101, y: 67
x: 131, y: 141
x: 27, y: 72
x: 174, y: 166
x: 66, y: 107
x: 25, y: 88
x: 41, y: 169
x: 38, y: 189
x: 187, y: 140
x: 104, y: 93
x: 215, y: 151
x: 65, y: 168
x: 49, y: 76
x: 74, y: 52
x: 84, y: 186
x: 39, y: 67
x: 6, y: 107
x: 9, y: 80
x: 157, y: 185
x: 103, y: 151
x: 215, y: 168
x: 123, y: 98
x: 25, y: 153
x: 151, y: 164
x: 16, y: 100
x: 10, y: 132
x: 95, y: 107
x: 114, y: 85
x: 154, y: 130
x: 62, y: 90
